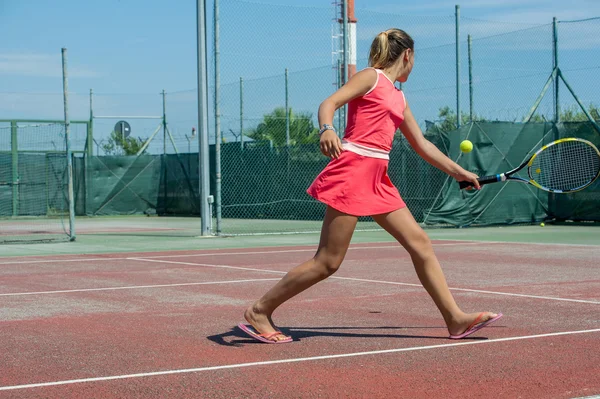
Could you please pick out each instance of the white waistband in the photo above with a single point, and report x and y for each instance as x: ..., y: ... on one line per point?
x: 365, y: 151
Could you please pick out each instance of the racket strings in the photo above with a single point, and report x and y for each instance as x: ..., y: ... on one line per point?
x: 566, y: 166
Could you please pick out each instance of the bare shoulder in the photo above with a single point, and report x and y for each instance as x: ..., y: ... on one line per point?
x: 368, y: 75
x: 363, y: 81
x: 358, y: 85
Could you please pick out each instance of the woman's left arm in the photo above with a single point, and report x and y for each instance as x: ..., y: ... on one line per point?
x: 430, y: 153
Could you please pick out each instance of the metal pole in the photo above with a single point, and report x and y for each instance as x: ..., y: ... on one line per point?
x: 217, y: 119
x: 287, y: 111
x: 68, y: 147
x: 555, y: 61
x: 204, y: 171
x: 90, y: 152
x: 339, y: 84
x: 470, y: 79
x: 242, y: 112
x: 585, y: 111
x: 346, y: 54
x: 164, y: 122
x: 14, y: 146
x: 164, y: 157
x: 90, y: 131
x: 541, y: 96
x: 457, y: 23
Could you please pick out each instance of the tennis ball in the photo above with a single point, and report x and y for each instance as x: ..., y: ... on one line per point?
x: 466, y: 146
x: 542, y: 224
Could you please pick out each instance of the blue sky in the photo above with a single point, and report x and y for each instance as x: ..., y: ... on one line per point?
x: 130, y: 50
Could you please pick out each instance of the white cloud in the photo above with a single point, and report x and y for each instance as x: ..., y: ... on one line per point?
x: 40, y: 65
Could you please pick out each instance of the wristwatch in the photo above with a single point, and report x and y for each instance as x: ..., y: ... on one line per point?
x: 325, y: 128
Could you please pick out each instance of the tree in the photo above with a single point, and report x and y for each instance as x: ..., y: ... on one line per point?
x: 447, y: 118
x: 571, y: 114
x: 119, y: 145
x: 302, y: 128
x: 447, y: 121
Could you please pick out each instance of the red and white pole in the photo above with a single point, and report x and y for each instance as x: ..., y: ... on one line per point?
x: 351, y: 39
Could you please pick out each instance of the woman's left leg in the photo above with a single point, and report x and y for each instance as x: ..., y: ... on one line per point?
x: 404, y: 228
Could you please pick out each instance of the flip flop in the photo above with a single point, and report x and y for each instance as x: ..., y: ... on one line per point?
x: 266, y: 338
x: 475, y: 326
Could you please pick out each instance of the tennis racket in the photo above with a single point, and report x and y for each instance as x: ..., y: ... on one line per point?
x: 563, y: 166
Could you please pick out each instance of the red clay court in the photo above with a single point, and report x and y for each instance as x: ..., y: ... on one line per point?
x: 163, y: 324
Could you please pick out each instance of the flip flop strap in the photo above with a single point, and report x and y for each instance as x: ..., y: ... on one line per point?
x: 476, y: 321
x: 271, y: 335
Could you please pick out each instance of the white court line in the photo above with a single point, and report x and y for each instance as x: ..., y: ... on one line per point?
x: 196, y: 254
x: 458, y: 243
x: 292, y: 360
x: 29, y: 262
x: 479, y: 291
x: 188, y: 255
x: 368, y: 280
x: 396, y: 246
x: 137, y: 287
x: 172, y: 262
x: 279, y: 272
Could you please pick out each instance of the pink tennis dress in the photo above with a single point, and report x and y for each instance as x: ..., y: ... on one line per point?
x: 357, y: 183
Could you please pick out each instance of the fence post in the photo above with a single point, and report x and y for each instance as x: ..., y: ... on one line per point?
x: 287, y: 111
x: 203, y: 166
x: 339, y: 84
x: 470, y: 79
x: 68, y: 147
x: 14, y: 147
x: 164, y: 156
x: 164, y: 122
x: 90, y: 130
x: 89, y: 154
x: 555, y: 61
x: 217, y: 120
x: 346, y: 56
x: 242, y: 113
x: 457, y: 23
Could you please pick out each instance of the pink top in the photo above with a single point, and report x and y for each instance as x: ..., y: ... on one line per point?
x: 374, y: 118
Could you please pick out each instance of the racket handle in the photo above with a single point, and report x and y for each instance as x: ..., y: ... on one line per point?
x: 481, y: 180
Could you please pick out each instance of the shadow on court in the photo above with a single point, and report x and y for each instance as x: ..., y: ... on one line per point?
x: 238, y: 337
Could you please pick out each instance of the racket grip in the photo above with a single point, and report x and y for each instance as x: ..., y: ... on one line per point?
x: 482, y: 180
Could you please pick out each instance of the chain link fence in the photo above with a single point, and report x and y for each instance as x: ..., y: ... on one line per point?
x: 33, y: 183
x: 277, y: 63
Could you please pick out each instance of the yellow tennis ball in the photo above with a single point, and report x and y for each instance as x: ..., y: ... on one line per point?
x: 466, y: 146
x: 542, y: 224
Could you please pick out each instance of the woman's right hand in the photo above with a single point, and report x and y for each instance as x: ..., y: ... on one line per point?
x: 331, y: 145
x: 465, y: 175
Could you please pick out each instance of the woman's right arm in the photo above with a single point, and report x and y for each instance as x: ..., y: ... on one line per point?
x: 357, y: 86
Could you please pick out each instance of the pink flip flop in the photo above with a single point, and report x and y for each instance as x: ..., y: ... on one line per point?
x: 475, y: 326
x: 266, y: 338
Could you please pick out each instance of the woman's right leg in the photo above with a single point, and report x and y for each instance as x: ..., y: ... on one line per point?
x: 336, y: 234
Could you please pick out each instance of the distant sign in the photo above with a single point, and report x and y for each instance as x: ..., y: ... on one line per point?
x: 123, y: 129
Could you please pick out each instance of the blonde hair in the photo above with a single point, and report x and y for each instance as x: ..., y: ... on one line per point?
x: 388, y: 46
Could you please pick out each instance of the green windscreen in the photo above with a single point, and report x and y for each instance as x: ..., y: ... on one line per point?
x: 264, y: 186
x: 33, y: 183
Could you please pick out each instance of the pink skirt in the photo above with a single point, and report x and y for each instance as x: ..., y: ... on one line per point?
x: 357, y: 185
